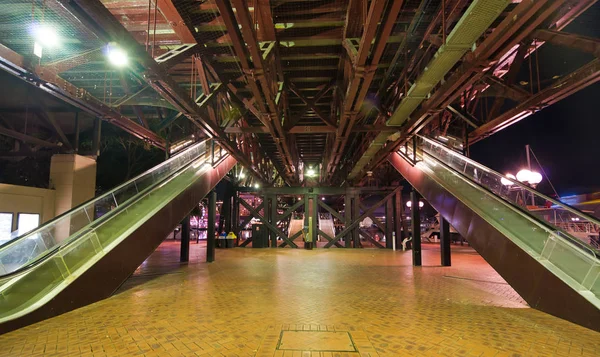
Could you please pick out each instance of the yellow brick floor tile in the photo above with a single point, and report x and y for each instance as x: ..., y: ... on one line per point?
x: 240, y: 304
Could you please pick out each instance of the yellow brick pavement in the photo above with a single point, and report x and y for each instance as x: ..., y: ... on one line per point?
x: 239, y: 305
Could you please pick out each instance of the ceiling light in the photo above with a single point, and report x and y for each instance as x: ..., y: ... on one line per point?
x: 46, y: 36
x: 256, y: 185
x: 311, y: 172
x: 117, y: 56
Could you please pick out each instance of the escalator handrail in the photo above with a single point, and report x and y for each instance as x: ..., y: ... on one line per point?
x: 545, y: 224
x: 562, y: 205
x: 92, y: 226
x: 94, y: 199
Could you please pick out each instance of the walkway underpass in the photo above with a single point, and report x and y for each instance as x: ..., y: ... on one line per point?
x: 295, y: 178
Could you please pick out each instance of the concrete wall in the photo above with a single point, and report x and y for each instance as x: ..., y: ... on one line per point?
x: 21, y: 199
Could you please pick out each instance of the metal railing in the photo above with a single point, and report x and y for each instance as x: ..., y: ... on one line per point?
x: 573, y: 260
x: 21, y: 250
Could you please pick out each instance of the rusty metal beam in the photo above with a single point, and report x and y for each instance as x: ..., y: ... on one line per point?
x: 574, y: 82
x: 27, y: 138
x: 310, y: 104
x: 246, y: 46
x: 176, y: 55
x: 52, y: 83
x: 72, y: 62
x: 310, y: 129
x: 515, y: 27
x: 569, y: 40
x: 94, y: 15
x: 363, y: 72
x: 171, y: 14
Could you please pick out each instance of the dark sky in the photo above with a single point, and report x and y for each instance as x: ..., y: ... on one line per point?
x: 565, y: 136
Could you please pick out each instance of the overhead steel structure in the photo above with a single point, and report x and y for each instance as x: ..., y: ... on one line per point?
x: 283, y: 85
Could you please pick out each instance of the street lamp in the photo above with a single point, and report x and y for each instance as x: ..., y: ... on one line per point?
x: 506, y: 182
x: 409, y: 204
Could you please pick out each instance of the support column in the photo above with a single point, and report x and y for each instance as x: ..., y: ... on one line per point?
x: 227, y: 208
x: 445, y: 242
x: 77, y: 129
x: 355, y: 215
x: 347, y: 218
x: 416, y: 228
x: 398, y: 218
x: 210, y: 230
x: 389, y: 223
x: 185, y: 240
x: 236, y: 217
x: 273, y: 220
x: 314, y: 222
x: 96, y: 137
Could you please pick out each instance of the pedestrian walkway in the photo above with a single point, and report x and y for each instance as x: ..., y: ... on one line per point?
x: 294, y: 302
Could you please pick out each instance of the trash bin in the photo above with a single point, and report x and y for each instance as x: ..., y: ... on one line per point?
x: 259, y: 238
x: 222, y: 241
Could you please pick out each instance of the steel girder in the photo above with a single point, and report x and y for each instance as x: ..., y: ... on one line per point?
x: 574, y: 82
x: 254, y: 70
x: 95, y: 16
x: 363, y: 72
x: 498, y: 49
x: 49, y: 81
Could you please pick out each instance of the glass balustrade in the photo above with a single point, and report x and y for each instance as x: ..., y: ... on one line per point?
x: 19, y: 251
x: 527, y: 217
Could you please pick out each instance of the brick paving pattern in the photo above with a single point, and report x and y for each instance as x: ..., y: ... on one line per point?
x: 240, y: 304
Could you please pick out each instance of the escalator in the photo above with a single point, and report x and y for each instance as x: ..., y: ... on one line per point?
x: 551, y: 269
x: 85, y: 254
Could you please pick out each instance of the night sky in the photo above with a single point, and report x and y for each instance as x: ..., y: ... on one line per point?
x: 565, y: 136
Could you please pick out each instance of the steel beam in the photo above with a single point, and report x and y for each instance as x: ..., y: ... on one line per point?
x: 95, y: 16
x: 416, y: 228
x: 27, y: 138
x: 569, y: 40
x: 445, y: 240
x: 210, y: 228
x: 255, y: 72
x: 515, y: 27
x: 50, y: 82
x: 574, y: 82
x: 184, y: 255
x: 363, y: 73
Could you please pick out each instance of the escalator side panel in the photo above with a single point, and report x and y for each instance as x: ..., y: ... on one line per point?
x: 102, y: 279
x: 538, y: 286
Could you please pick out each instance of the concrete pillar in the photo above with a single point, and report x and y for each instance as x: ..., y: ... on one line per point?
x: 416, y: 228
x: 210, y: 230
x: 185, y: 240
x: 445, y: 242
x: 73, y: 177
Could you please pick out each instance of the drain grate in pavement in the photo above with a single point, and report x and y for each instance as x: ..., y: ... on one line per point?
x: 324, y: 341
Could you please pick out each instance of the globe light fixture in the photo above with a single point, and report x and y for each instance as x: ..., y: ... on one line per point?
x: 311, y: 172
x: 523, y: 175
x: 506, y: 182
x: 409, y: 204
x: 535, y: 178
x: 256, y: 185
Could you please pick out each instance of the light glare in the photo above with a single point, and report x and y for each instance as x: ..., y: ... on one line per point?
x: 117, y: 57
x: 46, y: 36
